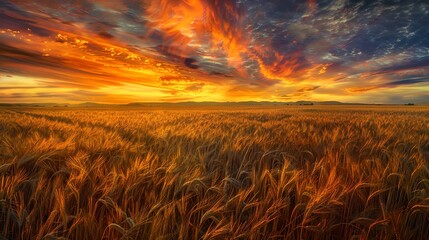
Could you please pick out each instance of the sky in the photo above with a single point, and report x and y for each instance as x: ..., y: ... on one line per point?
x: 122, y: 51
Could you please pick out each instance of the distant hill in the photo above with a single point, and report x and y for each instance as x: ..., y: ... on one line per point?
x: 243, y: 103
x: 91, y: 104
x: 34, y: 104
x: 189, y: 103
x: 207, y: 103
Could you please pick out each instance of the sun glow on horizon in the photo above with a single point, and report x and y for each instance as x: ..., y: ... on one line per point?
x: 199, y: 50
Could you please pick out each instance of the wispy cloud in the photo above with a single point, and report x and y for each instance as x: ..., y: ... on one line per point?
x: 223, y: 50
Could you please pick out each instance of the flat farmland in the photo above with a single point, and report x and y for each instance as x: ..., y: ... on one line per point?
x: 294, y: 172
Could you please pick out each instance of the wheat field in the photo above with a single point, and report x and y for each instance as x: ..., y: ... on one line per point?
x: 296, y: 172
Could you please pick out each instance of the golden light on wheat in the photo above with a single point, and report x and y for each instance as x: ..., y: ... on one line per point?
x: 232, y: 173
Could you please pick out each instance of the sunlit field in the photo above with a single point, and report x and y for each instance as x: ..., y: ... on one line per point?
x: 289, y: 172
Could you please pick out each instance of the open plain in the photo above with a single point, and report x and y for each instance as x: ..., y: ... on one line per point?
x: 294, y: 172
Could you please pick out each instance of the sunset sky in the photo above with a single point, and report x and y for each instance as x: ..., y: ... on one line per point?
x: 211, y: 50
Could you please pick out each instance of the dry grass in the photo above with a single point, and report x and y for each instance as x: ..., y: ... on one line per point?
x: 293, y: 172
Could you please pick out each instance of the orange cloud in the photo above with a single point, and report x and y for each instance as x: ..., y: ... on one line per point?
x: 196, y: 50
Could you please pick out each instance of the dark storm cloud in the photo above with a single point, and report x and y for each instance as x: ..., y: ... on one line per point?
x: 191, y: 63
x: 410, y: 64
x: 105, y: 35
x: 354, y: 32
x: 10, y: 22
x: 424, y: 79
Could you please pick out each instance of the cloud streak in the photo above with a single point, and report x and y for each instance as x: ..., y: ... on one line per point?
x: 215, y: 50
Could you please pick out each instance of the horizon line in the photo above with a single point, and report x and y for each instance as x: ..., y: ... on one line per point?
x: 301, y: 102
